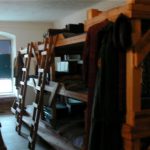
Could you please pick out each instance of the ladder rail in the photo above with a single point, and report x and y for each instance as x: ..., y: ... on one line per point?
x: 21, y: 106
x: 45, y: 63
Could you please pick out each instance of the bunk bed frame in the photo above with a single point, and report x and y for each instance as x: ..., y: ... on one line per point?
x: 137, y: 123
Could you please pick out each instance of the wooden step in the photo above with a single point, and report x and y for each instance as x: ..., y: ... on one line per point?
x: 21, y: 82
x: 13, y: 110
x: 26, y: 56
x: 30, y: 139
x: 44, y: 53
x: 24, y: 69
x: 35, y: 105
x: 20, y: 96
x: 40, y: 70
x: 18, y: 110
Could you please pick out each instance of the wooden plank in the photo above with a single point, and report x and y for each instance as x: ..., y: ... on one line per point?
x: 22, y: 83
x: 41, y: 47
x: 76, y: 95
x: 110, y: 15
x: 26, y: 56
x: 13, y: 110
x: 54, y: 139
x: 23, y: 51
x: 91, y: 13
x: 44, y: 53
x: 50, y: 135
x: 71, y: 40
x: 52, y: 88
x: 139, y: 11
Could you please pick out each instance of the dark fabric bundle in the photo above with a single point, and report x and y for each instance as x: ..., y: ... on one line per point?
x: 107, y: 117
x: 90, y: 58
x: 122, y: 32
x: 18, y: 65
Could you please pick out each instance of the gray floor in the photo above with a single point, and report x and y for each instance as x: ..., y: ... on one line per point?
x: 15, y: 142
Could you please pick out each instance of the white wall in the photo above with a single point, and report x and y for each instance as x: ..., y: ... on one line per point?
x: 25, y: 32
x: 81, y: 15
x: 20, y: 34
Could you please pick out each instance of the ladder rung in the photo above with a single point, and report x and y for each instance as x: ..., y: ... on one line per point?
x: 17, y: 102
x: 21, y: 82
x: 35, y: 104
x: 47, y: 46
x: 40, y: 70
x: 20, y: 96
x: 32, y: 123
x: 38, y: 88
x: 44, y: 53
x: 13, y: 110
x: 17, y: 123
x: 18, y: 110
x: 41, y: 47
x: 24, y: 69
x: 30, y: 139
x: 26, y: 56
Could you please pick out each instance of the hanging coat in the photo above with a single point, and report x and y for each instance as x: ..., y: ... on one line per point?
x: 90, y: 57
x: 106, y: 121
x: 18, y: 65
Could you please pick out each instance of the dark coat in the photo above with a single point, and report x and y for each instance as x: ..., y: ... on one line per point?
x: 18, y: 65
x: 90, y: 57
x: 106, y: 122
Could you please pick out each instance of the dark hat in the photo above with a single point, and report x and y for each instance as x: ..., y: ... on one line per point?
x: 122, y: 32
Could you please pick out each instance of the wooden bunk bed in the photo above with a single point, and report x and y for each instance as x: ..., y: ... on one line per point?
x: 136, y: 125
x: 137, y: 121
x: 43, y: 130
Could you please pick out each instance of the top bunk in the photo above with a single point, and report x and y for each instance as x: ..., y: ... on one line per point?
x: 94, y: 16
x: 141, y: 10
x: 70, y: 41
x: 137, y: 11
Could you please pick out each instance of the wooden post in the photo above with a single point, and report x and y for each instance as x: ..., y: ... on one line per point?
x: 92, y: 13
x: 133, y: 74
x: 133, y: 88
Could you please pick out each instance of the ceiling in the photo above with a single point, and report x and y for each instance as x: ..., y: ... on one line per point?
x: 42, y: 10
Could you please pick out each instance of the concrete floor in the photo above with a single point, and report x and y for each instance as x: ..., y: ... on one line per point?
x: 15, y: 142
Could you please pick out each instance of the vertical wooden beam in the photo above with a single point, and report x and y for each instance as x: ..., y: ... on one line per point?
x: 133, y: 76
x: 91, y: 13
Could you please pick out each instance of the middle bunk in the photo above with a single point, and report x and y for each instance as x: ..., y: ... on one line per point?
x: 63, y: 103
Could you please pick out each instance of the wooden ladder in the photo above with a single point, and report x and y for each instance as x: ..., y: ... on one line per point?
x: 23, y: 83
x: 46, y: 58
